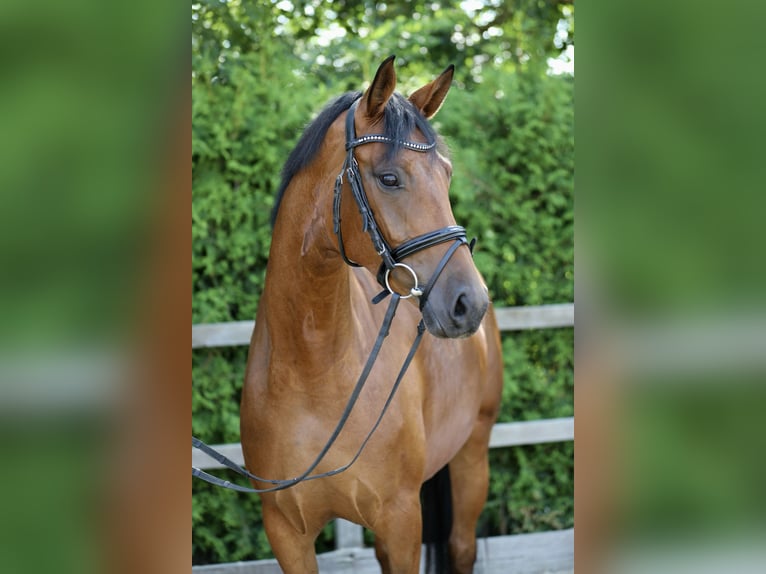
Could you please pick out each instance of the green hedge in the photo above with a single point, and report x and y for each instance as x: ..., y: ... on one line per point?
x: 511, y: 137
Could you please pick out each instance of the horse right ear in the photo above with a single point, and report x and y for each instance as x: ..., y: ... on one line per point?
x: 430, y: 97
x: 382, y: 88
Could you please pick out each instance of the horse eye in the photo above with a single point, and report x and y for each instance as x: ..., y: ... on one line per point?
x: 389, y: 180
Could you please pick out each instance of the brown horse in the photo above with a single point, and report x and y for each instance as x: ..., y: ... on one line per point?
x: 316, y: 326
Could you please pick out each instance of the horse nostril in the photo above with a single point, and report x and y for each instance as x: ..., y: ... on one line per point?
x: 460, y: 308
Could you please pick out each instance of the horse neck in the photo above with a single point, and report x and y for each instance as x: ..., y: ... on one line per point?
x: 307, y: 283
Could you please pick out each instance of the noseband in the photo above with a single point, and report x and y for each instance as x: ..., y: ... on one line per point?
x: 391, y: 258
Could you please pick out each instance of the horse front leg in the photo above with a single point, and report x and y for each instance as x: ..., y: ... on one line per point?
x: 469, y: 475
x: 398, y: 536
x: 293, y: 548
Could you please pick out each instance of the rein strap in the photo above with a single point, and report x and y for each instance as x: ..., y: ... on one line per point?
x: 306, y: 474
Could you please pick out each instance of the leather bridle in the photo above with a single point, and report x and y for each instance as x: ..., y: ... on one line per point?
x: 391, y: 259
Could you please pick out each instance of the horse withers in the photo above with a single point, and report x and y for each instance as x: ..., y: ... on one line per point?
x: 364, y: 203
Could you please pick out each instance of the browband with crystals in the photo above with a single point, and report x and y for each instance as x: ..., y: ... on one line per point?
x: 379, y: 138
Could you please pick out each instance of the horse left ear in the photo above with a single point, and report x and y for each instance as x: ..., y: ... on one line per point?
x: 430, y: 97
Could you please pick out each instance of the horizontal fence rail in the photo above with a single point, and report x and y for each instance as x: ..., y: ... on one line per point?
x: 503, y: 435
x: 347, y: 534
x: 237, y: 333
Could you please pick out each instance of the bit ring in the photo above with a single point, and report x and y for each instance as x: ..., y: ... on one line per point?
x: 416, y: 291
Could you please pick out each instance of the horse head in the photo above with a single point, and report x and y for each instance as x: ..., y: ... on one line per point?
x: 400, y: 183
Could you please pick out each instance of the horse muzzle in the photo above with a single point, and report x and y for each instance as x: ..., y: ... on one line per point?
x: 454, y: 313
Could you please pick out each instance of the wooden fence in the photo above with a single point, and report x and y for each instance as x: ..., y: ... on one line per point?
x: 541, y: 552
x: 237, y: 333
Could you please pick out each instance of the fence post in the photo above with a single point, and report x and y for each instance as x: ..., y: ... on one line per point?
x: 348, y: 534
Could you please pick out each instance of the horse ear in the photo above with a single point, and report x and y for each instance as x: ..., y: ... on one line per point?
x: 430, y: 97
x: 381, y: 89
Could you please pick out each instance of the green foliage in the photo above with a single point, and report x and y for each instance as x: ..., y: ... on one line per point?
x: 532, y: 487
x: 226, y: 525
x: 242, y: 130
x: 258, y: 76
x: 513, y: 163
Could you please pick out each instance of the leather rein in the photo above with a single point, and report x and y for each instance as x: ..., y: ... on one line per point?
x: 391, y: 259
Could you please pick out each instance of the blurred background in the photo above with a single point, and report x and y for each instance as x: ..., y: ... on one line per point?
x: 260, y: 71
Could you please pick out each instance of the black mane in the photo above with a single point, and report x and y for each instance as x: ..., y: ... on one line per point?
x: 401, y: 118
